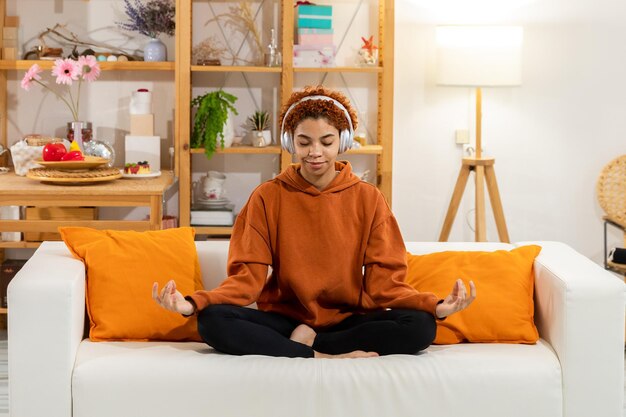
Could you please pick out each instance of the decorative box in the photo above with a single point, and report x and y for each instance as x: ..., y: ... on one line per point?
x: 314, y: 16
x: 317, y: 56
x: 314, y: 39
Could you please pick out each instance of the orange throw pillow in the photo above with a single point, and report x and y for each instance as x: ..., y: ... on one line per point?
x: 503, y: 310
x: 121, y: 267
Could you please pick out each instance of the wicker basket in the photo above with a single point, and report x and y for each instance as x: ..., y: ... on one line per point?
x: 38, y: 140
x: 611, y: 189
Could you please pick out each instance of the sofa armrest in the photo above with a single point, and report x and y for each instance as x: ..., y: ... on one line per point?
x: 579, y: 310
x: 45, y: 326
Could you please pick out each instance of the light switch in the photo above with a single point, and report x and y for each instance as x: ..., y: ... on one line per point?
x: 461, y: 136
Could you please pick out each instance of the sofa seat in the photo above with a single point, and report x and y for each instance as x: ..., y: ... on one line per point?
x: 190, y: 379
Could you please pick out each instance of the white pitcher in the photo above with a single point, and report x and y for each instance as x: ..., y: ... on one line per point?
x: 213, y: 185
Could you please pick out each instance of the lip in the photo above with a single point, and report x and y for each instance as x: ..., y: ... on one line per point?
x: 315, y: 164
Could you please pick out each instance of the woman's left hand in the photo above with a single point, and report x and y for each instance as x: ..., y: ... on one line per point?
x: 457, y: 300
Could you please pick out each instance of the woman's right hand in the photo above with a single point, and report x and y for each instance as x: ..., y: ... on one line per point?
x: 171, y: 299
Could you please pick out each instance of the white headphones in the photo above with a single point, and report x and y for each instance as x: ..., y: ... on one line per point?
x: 346, y: 136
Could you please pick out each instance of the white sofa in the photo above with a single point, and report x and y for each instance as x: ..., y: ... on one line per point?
x: 575, y: 370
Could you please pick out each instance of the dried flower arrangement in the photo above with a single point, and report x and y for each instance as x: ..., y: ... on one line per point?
x: 151, y: 18
x: 208, y: 49
x: 60, y: 34
x: 241, y: 20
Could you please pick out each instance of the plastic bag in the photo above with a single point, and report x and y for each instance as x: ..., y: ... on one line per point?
x: 24, y: 157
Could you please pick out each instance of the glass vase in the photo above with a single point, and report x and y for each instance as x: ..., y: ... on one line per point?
x: 79, y: 132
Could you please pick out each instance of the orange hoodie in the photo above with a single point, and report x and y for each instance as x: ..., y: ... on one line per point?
x: 333, y: 253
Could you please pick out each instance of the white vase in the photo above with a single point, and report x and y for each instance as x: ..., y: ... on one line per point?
x: 261, y: 138
x: 155, y: 50
x: 229, y: 132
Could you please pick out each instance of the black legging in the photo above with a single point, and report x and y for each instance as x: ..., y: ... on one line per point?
x: 244, y: 331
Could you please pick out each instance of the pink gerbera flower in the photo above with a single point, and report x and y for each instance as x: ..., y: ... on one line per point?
x: 66, y: 71
x: 31, y: 74
x: 89, y: 66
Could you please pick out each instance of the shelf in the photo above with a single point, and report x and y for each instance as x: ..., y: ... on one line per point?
x: 19, y: 245
x: 240, y: 68
x: 367, y: 150
x: 105, y: 66
x: 4, y: 311
x: 213, y: 230
x: 619, y: 268
x: 339, y: 69
x: 243, y: 150
x: 363, y: 150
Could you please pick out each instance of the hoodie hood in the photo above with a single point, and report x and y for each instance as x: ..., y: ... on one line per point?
x: 343, y: 180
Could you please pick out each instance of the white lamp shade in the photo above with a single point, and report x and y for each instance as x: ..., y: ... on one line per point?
x: 480, y: 56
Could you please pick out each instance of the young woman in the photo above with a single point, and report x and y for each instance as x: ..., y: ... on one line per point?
x: 338, y: 259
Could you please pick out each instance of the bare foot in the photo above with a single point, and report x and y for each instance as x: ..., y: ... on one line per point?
x: 303, y: 334
x: 355, y: 354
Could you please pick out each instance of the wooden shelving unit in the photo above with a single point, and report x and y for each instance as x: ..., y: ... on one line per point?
x: 382, y: 150
x: 183, y: 70
x: 59, y: 199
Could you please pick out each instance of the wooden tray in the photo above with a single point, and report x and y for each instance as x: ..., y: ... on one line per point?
x: 91, y: 176
x: 88, y: 163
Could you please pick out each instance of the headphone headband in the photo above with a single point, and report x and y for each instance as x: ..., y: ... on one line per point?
x: 346, y: 136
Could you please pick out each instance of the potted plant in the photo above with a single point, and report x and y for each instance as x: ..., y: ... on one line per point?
x: 211, y: 119
x: 259, y: 124
x: 151, y: 19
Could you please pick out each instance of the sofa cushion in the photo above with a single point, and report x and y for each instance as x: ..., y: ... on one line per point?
x: 503, y: 310
x: 121, y: 268
x: 159, y: 379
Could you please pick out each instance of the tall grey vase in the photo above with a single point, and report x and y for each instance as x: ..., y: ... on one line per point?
x: 155, y: 50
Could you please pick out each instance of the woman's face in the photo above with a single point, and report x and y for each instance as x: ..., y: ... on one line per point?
x: 316, y: 144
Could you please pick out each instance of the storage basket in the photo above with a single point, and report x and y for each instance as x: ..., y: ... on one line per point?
x: 611, y: 189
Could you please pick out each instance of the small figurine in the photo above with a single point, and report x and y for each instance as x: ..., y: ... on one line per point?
x: 368, y: 54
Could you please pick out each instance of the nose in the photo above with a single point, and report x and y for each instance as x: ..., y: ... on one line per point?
x: 315, y: 149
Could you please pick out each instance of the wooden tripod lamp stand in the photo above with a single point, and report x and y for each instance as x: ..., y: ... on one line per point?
x: 478, y: 56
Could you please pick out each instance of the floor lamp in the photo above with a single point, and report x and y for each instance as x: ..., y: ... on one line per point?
x: 478, y: 56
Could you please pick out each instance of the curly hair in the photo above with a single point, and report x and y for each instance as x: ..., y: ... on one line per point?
x: 316, y: 109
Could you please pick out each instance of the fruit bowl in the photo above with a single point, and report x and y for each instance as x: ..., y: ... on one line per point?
x: 89, y: 163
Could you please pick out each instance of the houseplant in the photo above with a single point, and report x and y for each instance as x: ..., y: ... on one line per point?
x: 151, y: 19
x: 212, y: 115
x: 259, y: 123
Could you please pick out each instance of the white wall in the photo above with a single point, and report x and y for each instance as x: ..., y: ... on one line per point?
x: 551, y: 136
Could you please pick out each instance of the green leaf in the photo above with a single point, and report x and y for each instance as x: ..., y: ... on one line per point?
x: 211, y: 115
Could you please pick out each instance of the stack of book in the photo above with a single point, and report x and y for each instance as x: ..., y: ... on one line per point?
x: 315, y: 47
x: 212, y: 216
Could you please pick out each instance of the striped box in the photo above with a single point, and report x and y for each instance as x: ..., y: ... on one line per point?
x: 314, y: 16
x: 314, y: 39
x: 314, y: 31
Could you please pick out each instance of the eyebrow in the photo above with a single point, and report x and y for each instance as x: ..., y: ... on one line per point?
x: 303, y: 136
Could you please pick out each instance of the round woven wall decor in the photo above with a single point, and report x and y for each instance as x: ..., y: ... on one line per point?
x: 611, y: 189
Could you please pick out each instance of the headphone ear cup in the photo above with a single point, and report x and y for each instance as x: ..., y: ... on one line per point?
x: 287, y: 143
x: 345, y: 142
